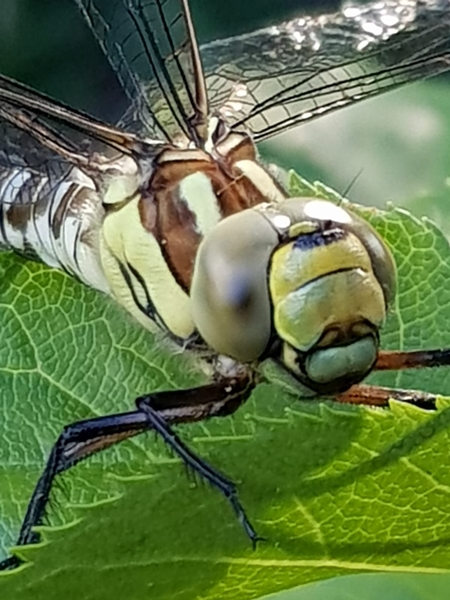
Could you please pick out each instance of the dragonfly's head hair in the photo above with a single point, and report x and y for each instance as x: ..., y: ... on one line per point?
x: 305, y: 281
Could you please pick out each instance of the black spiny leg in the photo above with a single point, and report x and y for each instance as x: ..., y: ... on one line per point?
x: 201, y: 467
x: 154, y: 411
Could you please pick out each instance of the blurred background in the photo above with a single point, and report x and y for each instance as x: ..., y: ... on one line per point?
x: 392, y: 148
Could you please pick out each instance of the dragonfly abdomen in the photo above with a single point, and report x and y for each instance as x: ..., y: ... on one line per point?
x: 53, y: 220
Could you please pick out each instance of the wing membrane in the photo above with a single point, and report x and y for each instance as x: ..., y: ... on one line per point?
x: 21, y: 153
x: 39, y: 136
x: 20, y: 96
x: 275, y: 78
x: 152, y: 47
x: 266, y: 81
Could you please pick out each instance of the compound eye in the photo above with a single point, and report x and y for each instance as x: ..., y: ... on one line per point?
x: 229, y: 293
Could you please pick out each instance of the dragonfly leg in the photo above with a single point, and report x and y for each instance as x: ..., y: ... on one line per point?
x: 395, y: 360
x: 84, y: 438
x: 372, y: 395
x: 415, y: 359
x: 198, y: 465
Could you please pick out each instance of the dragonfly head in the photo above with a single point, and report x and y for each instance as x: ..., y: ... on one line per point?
x: 304, y: 281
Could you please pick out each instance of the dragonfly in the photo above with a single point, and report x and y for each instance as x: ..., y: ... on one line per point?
x: 172, y: 213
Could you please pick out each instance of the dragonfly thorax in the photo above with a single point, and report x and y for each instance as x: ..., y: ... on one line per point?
x: 304, y: 281
x: 154, y: 227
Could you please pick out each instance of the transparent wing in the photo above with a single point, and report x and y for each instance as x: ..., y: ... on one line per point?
x: 35, y: 161
x: 46, y: 138
x: 152, y: 48
x: 275, y: 78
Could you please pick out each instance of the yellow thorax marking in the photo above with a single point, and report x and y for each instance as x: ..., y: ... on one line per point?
x: 124, y: 240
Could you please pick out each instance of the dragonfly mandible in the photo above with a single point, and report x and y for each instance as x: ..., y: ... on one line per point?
x: 172, y: 214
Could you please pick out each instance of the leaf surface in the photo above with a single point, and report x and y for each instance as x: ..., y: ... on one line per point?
x: 335, y: 490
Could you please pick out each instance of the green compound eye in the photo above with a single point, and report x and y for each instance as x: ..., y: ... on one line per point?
x: 229, y: 293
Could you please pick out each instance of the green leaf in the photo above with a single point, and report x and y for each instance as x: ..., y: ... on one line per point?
x: 388, y: 586
x: 334, y: 489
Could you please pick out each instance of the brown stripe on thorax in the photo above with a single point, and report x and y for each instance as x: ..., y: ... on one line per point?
x: 166, y: 216
x: 234, y: 191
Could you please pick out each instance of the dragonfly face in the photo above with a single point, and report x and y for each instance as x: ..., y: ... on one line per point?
x: 171, y: 212
x: 304, y: 281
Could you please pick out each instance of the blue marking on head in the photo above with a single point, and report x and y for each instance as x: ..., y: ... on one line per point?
x: 306, y: 241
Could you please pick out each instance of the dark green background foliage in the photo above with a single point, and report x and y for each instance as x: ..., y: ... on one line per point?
x: 336, y: 490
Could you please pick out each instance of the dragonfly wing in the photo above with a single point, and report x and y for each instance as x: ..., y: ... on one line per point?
x: 152, y: 47
x: 25, y: 157
x: 45, y: 137
x: 272, y: 79
x: 20, y: 154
